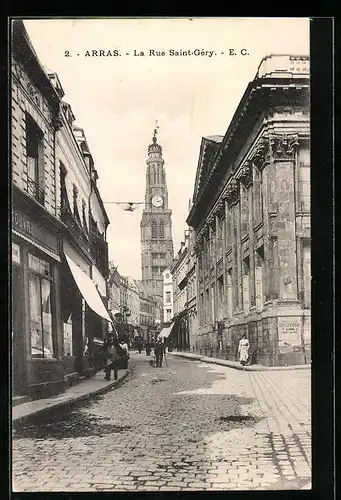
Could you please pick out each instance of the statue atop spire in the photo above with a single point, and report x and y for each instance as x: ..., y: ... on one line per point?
x: 155, y: 132
x: 155, y: 147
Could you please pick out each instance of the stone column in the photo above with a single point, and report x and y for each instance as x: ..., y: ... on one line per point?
x: 283, y: 152
x: 246, y: 177
x: 233, y: 196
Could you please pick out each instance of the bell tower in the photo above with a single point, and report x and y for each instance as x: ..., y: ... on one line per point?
x: 156, y: 223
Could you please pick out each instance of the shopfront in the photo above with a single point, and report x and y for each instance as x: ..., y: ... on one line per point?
x: 37, y: 369
x: 84, y: 315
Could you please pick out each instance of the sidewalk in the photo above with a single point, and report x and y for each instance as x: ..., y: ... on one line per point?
x: 93, y: 386
x: 236, y: 364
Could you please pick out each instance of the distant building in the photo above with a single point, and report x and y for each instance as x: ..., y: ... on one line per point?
x: 180, y: 330
x: 167, y: 296
x: 114, y: 282
x: 147, y: 312
x: 191, y: 286
x: 251, y: 217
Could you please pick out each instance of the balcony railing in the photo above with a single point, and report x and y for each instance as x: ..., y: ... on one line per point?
x: 68, y: 219
x: 36, y: 191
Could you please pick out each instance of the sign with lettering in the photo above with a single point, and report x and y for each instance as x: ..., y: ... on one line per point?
x: 289, y: 331
x: 23, y: 224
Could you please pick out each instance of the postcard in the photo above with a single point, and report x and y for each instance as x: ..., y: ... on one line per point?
x: 161, y: 248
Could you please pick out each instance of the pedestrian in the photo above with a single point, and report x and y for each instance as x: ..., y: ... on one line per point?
x: 243, y: 350
x: 158, y: 351
x: 112, y: 359
x: 148, y: 349
x: 123, y: 353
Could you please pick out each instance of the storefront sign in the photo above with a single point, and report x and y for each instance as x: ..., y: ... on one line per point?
x: 28, y: 227
x: 289, y: 331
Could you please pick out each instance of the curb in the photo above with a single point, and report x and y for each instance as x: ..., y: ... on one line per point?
x: 231, y: 364
x: 70, y: 402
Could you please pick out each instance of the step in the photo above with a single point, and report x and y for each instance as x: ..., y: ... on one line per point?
x: 19, y: 400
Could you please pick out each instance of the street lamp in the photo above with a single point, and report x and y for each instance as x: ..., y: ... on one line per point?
x: 130, y: 206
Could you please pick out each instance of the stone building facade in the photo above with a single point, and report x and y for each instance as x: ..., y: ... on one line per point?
x: 251, y: 216
x: 179, y: 270
x: 84, y: 225
x: 56, y: 210
x: 167, y: 296
x: 191, y: 287
x: 114, y: 295
x: 36, y: 260
x: 147, y: 311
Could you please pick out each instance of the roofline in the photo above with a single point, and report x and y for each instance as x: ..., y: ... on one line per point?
x: 255, y: 86
x: 20, y: 41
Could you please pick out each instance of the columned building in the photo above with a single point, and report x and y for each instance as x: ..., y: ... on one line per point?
x: 251, y: 216
x: 156, y: 225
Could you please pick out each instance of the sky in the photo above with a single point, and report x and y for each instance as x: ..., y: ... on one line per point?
x: 117, y: 100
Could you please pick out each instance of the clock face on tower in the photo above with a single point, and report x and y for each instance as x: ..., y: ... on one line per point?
x: 157, y: 201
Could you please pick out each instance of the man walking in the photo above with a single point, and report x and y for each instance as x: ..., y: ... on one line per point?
x: 158, y: 351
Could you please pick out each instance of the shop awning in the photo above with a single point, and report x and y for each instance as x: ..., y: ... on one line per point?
x: 88, y: 289
x: 165, y: 332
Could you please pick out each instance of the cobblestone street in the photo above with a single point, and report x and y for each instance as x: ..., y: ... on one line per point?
x: 188, y: 426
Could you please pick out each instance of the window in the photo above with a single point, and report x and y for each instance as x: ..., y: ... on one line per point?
x: 168, y: 314
x: 168, y: 296
x: 75, y: 203
x: 85, y: 225
x: 154, y: 229
x: 220, y: 243
x: 229, y: 293
x: 246, y: 284
x: 221, y: 297
x: 306, y: 274
x: 244, y: 211
x: 207, y: 305
x: 304, y: 187
x: 212, y: 303
x: 259, y: 278
x: 65, y: 205
x: 34, y: 152
x: 257, y: 197
x: 201, y: 310
x: 212, y: 242
x: 40, y: 312
x: 162, y: 229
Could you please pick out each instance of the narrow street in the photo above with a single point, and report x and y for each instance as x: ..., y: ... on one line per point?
x: 188, y: 426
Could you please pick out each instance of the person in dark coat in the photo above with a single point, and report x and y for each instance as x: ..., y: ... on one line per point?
x: 148, y: 348
x: 112, y: 359
x: 158, y: 351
